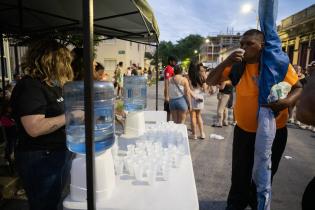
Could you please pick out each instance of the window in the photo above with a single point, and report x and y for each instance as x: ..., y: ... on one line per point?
x: 130, y: 44
x: 110, y: 65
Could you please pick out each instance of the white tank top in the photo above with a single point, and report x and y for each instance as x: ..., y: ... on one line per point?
x: 173, y: 90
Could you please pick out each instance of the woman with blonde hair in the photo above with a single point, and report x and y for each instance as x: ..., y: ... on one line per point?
x: 43, y: 161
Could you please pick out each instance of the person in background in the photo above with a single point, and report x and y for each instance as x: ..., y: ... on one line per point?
x: 225, y: 91
x: 243, y: 191
x: 140, y: 72
x: 42, y: 158
x: 16, y: 77
x: 198, y: 86
x: 101, y: 75
x: 145, y: 73
x: 168, y: 73
x: 305, y: 112
x: 301, y: 76
x: 119, y: 79
x: 150, y: 73
x: 77, y: 64
x: 9, y: 126
x: 134, y: 71
x: 128, y: 74
x: 179, y: 96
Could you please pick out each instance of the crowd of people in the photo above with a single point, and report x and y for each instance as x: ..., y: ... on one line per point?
x: 33, y: 112
x: 185, y: 95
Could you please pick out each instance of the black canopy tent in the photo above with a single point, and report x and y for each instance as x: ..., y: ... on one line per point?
x: 131, y: 20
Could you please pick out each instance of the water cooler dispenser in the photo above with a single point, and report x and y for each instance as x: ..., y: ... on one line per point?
x: 104, y: 138
x: 135, y: 101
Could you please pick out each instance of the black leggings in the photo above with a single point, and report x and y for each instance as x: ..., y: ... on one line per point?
x: 308, y: 196
x: 243, y: 190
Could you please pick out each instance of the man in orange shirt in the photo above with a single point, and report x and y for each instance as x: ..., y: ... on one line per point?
x: 243, y: 191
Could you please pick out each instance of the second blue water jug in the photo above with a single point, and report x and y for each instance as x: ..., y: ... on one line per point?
x: 135, y: 93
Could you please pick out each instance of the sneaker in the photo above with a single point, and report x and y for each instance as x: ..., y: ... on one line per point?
x: 193, y: 137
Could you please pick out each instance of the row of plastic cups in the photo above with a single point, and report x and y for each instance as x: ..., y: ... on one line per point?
x: 140, y: 169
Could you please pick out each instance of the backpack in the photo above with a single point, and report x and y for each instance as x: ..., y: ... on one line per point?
x: 237, y: 72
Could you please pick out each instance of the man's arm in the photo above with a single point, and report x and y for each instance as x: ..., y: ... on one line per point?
x: 215, y: 77
x: 291, y: 99
x: 305, y: 109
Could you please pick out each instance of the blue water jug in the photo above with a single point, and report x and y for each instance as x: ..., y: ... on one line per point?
x: 135, y: 93
x: 104, y: 124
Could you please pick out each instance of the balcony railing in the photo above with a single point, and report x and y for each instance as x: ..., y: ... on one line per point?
x: 304, y: 15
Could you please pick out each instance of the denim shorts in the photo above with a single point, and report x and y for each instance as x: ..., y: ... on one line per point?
x: 178, y: 104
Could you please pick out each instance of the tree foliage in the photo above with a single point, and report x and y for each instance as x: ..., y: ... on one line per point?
x: 183, y: 49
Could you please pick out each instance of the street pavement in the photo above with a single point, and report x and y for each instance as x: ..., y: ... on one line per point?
x: 212, y: 164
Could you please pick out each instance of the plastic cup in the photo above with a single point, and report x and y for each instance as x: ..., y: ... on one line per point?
x: 131, y: 148
x: 240, y: 50
x: 119, y: 166
x: 138, y: 170
x: 151, y: 175
x: 165, y: 171
x: 129, y: 167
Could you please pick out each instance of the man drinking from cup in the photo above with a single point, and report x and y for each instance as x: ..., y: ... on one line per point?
x: 243, y: 70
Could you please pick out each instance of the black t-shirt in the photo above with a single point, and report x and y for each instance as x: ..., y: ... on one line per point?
x: 227, y: 89
x: 32, y: 97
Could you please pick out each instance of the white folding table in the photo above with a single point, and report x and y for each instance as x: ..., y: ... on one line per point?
x: 178, y: 193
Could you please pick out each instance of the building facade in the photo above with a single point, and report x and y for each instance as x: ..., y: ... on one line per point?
x: 210, y: 51
x: 297, y: 34
x: 7, y: 63
x: 111, y: 52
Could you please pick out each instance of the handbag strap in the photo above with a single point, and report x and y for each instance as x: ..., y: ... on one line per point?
x: 180, y: 90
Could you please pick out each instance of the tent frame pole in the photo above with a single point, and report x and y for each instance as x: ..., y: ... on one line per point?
x: 88, y: 28
x: 17, y: 60
x: 2, y: 65
x: 157, y: 78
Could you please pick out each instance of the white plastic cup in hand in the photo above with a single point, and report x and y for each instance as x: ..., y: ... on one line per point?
x: 240, y: 50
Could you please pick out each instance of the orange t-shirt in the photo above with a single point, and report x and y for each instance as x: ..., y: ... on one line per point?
x: 246, y: 104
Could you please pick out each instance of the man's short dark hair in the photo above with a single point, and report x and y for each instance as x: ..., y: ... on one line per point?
x: 99, y: 67
x: 171, y: 58
x: 255, y: 32
x: 120, y: 63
